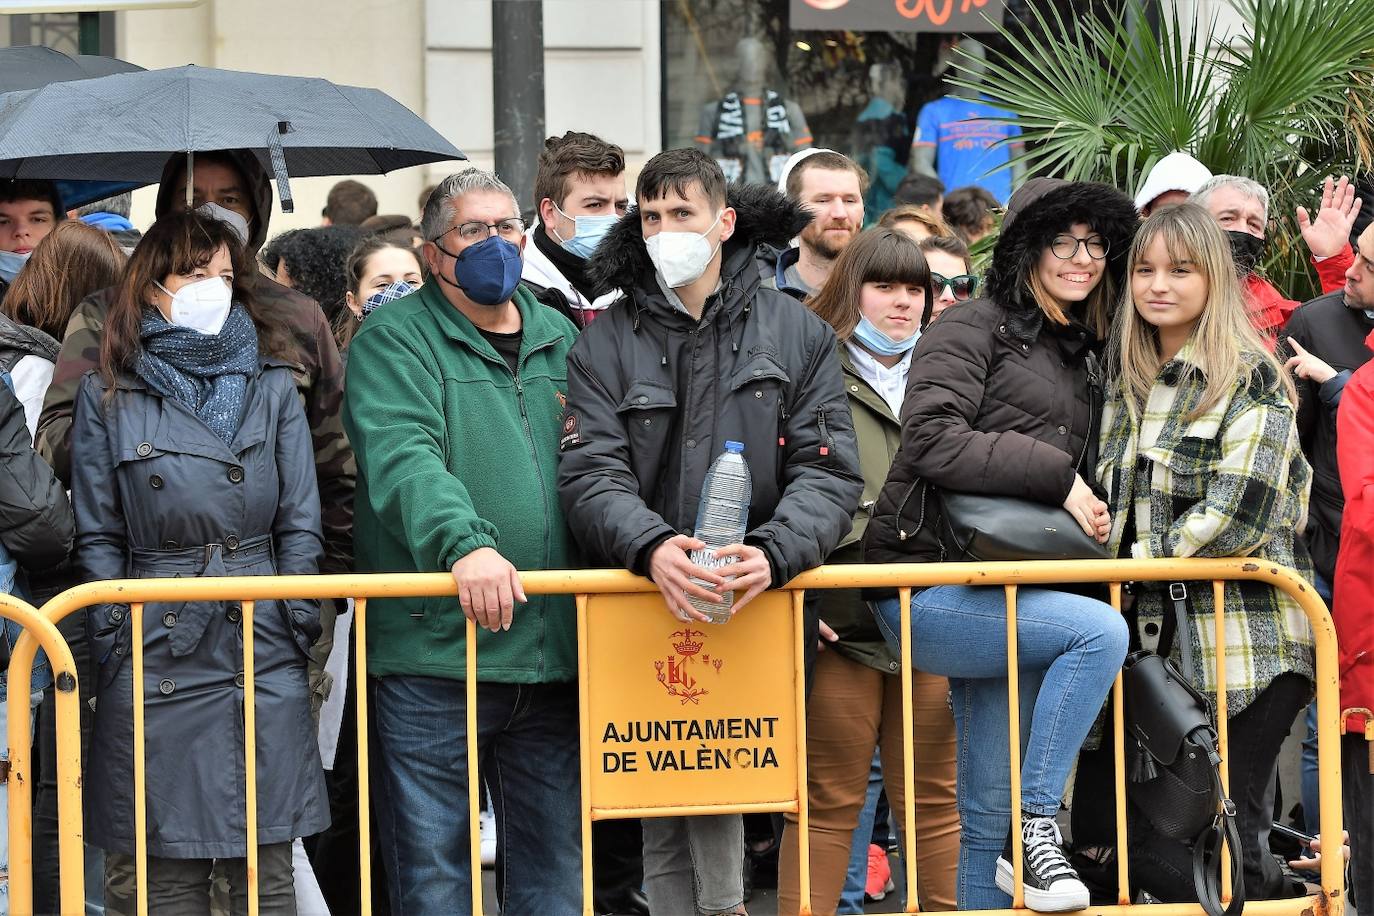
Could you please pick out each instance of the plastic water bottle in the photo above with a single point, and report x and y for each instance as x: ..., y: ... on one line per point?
x: 722, y: 519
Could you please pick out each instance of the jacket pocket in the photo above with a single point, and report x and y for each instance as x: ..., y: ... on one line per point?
x: 759, y: 391
x: 302, y: 619
x: 1187, y: 457
x: 648, y: 411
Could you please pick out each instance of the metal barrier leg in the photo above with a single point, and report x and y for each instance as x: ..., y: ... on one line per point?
x: 1014, y: 726
x: 1223, y: 726
x: 37, y: 631
x: 803, y: 810
x: 250, y: 760
x: 585, y: 751
x: 474, y: 780
x: 908, y: 751
x: 1123, y: 878
x: 140, y: 763
x: 364, y: 796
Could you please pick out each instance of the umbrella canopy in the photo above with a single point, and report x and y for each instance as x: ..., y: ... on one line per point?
x: 123, y: 127
x: 34, y: 66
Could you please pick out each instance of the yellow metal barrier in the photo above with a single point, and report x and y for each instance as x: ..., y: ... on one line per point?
x: 39, y: 633
x: 588, y: 585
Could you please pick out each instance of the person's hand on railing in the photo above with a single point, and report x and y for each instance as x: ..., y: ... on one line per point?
x: 672, y: 569
x: 750, y: 573
x: 488, y: 587
x: 1088, y: 510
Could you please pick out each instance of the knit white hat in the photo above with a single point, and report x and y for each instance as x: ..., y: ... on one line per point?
x: 792, y: 161
x: 1175, y: 172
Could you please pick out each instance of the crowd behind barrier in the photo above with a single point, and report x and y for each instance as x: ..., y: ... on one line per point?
x: 312, y: 639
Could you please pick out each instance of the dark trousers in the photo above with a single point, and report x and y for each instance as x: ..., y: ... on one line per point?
x: 181, y: 887
x: 1357, y: 791
x: 1164, y: 867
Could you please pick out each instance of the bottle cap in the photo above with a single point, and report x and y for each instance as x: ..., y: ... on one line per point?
x: 733, y: 446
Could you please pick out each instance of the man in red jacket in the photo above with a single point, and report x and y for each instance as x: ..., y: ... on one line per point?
x: 1353, y: 613
x: 1242, y: 207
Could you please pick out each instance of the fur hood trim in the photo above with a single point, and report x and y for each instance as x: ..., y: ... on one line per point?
x: 762, y: 216
x: 1038, y: 211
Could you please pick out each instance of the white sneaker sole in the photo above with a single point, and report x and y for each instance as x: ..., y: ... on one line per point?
x: 1065, y: 901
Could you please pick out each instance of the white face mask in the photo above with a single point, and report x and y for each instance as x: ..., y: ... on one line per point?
x: 682, y: 257
x: 202, y: 306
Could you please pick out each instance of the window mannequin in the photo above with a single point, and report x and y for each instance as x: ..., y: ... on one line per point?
x: 881, y: 140
x: 753, y: 129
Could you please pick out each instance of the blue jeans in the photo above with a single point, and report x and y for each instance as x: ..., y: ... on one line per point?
x: 528, y: 746
x: 1070, y: 649
x: 856, y: 879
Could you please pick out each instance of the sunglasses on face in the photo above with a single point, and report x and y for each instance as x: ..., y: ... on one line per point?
x: 961, y: 287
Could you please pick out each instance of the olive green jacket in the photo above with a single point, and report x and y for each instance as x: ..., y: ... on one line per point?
x: 879, y: 434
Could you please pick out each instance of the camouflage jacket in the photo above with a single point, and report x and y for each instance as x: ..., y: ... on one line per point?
x: 319, y: 380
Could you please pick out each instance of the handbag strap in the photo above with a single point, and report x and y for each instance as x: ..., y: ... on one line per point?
x: 1088, y: 469
x: 1207, y: 855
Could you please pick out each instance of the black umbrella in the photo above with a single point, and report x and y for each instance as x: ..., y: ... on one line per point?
x: 34, y: 66
x: 123, y: 127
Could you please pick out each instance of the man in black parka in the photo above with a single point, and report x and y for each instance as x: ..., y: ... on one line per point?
x: 697, y: 354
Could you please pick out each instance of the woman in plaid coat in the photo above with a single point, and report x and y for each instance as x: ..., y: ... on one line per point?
x: 1199, y: 453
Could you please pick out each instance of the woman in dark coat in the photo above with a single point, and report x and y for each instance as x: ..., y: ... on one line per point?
x: 192, y: 457
x: 998, y: 403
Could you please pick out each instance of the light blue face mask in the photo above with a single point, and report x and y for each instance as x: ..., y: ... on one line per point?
x: 1369, y: 313
x: 11, y: 262
x: 588, y: 232
x: 875, y: 341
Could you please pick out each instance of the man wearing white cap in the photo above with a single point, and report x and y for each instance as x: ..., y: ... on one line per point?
x: 1172, y: 181
x: 832, y: 187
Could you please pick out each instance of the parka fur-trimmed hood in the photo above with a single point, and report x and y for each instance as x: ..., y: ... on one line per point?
x: 763, y: 216
x: 1038, y: 211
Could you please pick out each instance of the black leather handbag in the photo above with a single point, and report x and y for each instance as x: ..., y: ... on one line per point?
x: 983, y: 527
x: 979, y: 527
x: 1174, y: 779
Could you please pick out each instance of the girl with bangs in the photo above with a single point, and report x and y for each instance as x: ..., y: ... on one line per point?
x: 1200, y: 455
x: 877, y: 299
x: 191, y: 456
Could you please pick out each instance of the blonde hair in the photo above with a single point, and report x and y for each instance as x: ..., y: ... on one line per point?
x: 1226, y: 346
x: 907, y: 213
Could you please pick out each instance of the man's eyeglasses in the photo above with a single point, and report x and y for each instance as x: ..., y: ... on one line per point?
x: 509, y: 229
x: 961, y: 287
x: 1065, y: 247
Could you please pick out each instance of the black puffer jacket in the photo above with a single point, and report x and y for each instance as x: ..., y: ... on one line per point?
x: 36, y: 524
x: 653, y: 395
x: 998, y: 398
x: 1331, y: 330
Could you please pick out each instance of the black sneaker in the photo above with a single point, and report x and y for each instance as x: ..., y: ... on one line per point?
x: 1051, y: 884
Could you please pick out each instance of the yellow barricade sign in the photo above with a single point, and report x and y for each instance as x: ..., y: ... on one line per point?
x: 684, y: 715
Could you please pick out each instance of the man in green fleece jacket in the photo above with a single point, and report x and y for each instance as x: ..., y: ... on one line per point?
x: 453, y: 404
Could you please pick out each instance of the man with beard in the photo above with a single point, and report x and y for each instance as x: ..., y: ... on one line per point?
x: 832, y: 187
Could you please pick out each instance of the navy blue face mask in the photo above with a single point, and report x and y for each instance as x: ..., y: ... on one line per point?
x: 487, y: 272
